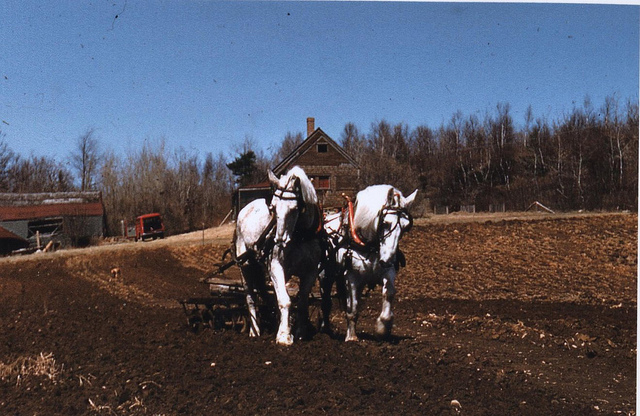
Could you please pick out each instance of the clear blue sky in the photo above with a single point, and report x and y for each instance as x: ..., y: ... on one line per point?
x: 204, y: 75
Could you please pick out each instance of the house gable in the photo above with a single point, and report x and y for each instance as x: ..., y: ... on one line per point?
x: 317, y: 150
x: 332, y: 170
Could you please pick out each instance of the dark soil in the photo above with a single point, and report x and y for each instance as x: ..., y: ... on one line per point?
x: 497, y: 318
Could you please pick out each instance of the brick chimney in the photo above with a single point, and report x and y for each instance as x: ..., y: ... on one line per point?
x: 311, y: 122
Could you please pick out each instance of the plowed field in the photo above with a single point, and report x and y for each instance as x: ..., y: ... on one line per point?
x: 493, y: 316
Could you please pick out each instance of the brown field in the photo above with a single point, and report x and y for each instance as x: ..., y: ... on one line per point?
x: 528, y: 314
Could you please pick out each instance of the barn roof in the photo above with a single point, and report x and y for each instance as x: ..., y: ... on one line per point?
x: 46, y: 205
x: 48, y: 198
x: 8, y: 235
x: 307, y: 144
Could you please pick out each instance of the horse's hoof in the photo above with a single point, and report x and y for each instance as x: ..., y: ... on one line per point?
x: 285, y: 340
x: 383, y: 328
x: 351, y: 337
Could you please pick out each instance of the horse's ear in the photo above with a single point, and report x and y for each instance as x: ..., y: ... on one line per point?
x: 273, y: 178
x: 390, y: 196
x: 409, y: 200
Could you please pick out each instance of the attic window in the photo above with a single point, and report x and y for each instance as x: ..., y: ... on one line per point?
x: 323, y: 148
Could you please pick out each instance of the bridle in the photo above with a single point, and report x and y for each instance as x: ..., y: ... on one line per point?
x: 400, y: 213
x: 285, y: 194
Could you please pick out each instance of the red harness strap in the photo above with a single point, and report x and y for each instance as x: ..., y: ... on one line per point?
x: 352, y: 231
x: 320, y: 219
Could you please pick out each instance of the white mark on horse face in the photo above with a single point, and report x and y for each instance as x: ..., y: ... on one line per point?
x: 391, y: 233
x: 286, y: 212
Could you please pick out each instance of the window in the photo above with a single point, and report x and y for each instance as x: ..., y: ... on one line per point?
x: 322, y: 182
x: 323, y: 148
x: 49, y: 226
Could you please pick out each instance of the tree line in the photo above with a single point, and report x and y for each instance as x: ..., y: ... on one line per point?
x: 585, y: 159
x: 190, y: 192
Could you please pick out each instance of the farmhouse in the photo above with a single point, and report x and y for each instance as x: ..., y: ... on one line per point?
x: 332, y: 170
x: 62, y: 217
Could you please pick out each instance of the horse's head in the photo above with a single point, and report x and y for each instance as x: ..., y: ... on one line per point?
x: 394, y: 220
x: 293, y: 192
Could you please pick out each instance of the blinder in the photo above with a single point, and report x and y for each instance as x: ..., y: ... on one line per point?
x: 401, y: 213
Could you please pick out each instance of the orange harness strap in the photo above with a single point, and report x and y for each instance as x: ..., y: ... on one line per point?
x: 320, y: 218
x: 354, y: 235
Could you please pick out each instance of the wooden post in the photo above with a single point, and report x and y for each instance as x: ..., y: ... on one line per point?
x: 48, y: 247
x: 225, y: 218
x: 38, y: 239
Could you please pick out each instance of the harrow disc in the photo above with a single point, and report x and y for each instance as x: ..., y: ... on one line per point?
x: 239, y: 321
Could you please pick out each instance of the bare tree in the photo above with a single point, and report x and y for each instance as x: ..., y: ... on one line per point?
x: 85, y: 159
x: 353, y: 142
x: 41, y: 174
x: 290, y: 142
x: 8, y: 160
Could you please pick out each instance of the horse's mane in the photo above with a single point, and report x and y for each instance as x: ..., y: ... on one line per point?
x: 368, y: 204
x: 309, y: 195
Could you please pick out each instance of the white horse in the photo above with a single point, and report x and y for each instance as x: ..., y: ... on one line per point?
x: 366, y: 253
x: 281, y: 239
x: 252, y: 242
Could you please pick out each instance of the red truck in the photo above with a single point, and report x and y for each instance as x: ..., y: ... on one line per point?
x: 149, y: 226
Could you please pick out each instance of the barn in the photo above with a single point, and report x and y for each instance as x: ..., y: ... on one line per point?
x: 332, y: 170
x: 67, y: 218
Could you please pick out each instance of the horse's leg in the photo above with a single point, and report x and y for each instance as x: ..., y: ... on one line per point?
x: 276, y: 271
x: 306, y: 284
x: 341, y: 288
x: 353, y: 296
x: 327, y: 278
x: 384, y: 323
x: 250, y: 273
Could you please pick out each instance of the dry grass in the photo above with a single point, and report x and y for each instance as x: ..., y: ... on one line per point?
x: 43, y: 365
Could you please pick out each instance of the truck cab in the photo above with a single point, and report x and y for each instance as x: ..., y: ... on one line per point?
x: 149, y: 226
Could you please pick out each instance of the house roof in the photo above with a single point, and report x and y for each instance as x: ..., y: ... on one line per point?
x: 256, y: 187
x: 303, y: 147
x: 46, y: 205
x: 8, y: 235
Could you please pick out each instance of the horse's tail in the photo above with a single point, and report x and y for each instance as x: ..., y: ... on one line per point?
x: 234, y: 253
x: 234, y: 240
